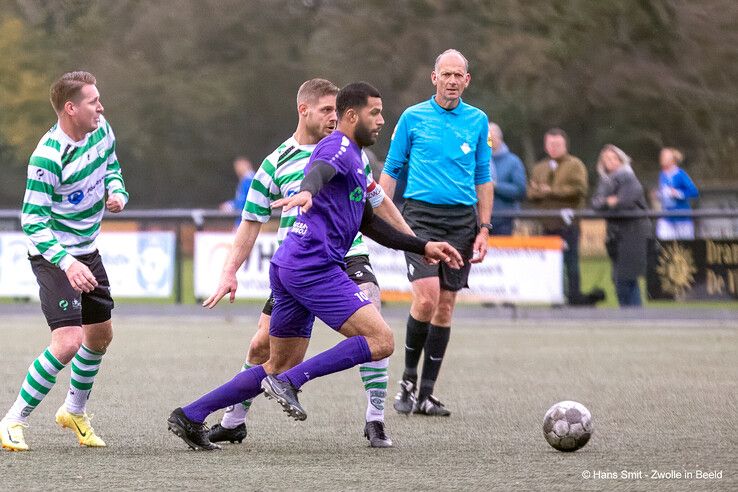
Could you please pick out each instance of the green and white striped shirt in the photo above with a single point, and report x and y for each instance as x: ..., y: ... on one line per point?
x: 65, y: 193
x: 280, y: 175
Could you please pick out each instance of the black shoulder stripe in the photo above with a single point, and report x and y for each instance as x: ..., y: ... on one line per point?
x: 289, y: 153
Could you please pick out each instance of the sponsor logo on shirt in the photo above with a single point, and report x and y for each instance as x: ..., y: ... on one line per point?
x: 357, y: 195
x: 76, y: 196
x: 300, y: 228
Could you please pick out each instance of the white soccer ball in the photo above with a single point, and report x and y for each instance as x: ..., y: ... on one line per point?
x: 567, y: 425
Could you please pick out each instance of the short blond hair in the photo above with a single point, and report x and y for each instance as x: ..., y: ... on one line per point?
x: 312, y: 90
x: 676, y: 154
x: 68, y: 87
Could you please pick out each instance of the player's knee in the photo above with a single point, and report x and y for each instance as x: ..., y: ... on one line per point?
x: 102, y: 343
x: 382, y: 345
x: 424, y: 306
x: 65, y: 347
x: 258, y: 349
x: 443, y: 314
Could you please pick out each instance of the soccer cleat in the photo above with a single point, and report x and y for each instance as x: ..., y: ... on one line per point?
x: 431, y: 406
x: 81, y: 426
x: 285, y: 394
x: 378, y: 438
x: 194, y: 434
x: 405, y: 399
x: 218, y: 433
x: 11, y: 436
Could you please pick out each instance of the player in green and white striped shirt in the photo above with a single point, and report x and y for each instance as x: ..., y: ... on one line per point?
x: 279, y: 176
x: 73, y: 176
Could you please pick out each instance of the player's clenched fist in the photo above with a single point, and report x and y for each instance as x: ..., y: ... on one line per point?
x: 115, y: 202
x: 443, y: 252
x: 80, y: 277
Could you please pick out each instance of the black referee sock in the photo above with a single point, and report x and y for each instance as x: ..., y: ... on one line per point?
x: 435, y: 349
x: 415, y: 336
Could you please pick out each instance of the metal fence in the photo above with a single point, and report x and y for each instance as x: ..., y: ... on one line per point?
x: 712, y: 223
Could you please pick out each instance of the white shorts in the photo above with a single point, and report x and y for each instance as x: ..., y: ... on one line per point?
x: 674, y: 231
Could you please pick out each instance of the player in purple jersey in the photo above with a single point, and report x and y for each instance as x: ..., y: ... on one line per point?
x: 324, y: 229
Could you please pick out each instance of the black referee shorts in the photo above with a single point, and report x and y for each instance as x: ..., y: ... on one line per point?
x: 455, y: 224
x: 61, y: 304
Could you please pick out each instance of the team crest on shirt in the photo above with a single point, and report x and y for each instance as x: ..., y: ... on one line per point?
x: 76, y: 197
x: 465, y: 148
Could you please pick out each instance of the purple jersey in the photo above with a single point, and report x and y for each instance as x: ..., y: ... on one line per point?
x: 322, y: 236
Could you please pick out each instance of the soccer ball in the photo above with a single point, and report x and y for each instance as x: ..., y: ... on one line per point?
x: 567, y: 425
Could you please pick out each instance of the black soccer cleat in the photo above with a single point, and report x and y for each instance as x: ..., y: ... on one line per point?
x: 431, y: 406
x: 194, y: 434
x: 405, y: 399
x: 285, y: 394
x: 218, y: 433
x: 378, y: 438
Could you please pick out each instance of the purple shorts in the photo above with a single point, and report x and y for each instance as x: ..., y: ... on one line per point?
x: 300, y: 296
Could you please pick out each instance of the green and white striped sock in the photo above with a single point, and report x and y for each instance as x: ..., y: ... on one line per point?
x: 374, y: 377
x: 85, y: 365
x: 235, y: 415
x: 39, y: 380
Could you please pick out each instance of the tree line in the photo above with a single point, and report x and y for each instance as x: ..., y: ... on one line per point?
x: 189, y: 84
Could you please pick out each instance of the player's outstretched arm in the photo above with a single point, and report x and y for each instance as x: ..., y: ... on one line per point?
x: 314, y: 180
x: 304, y: 200
x: 243, y: 243
x: 386, y: 235
x: 443, y: 252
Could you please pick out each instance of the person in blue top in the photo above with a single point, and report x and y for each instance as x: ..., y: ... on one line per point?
x: 442, y: 142
x: 244, y: 170
x: 308, y: 279
x: 675, y: 191
x: 508, y: 177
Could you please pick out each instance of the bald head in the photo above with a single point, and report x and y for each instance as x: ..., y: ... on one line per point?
x: 451, y: 55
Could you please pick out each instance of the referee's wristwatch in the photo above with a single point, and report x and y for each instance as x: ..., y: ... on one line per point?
x: 486, y: 226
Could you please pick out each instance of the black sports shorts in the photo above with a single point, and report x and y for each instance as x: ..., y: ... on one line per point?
x: 358, y: 269
x: 455, y: 224
x: 61, y: 304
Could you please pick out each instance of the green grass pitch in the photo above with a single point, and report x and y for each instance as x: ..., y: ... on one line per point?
x: 663, y: 398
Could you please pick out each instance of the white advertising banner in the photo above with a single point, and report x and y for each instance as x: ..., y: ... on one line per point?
x: 516, y: 269
x: 211, y: 251
x: 139, y: 264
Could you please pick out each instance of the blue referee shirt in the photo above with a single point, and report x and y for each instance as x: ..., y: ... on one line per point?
x: 446, y: 152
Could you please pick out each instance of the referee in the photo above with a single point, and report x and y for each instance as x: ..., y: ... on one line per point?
x: 443, y: 144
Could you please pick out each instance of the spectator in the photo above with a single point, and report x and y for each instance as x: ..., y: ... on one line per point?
x: 508, y: 176
x: 675, y: 190
x: 626, y: 239
x: 560, y: 182
x: 244, y: 170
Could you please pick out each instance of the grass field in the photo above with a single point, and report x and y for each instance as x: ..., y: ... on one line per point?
x: 663, y: 398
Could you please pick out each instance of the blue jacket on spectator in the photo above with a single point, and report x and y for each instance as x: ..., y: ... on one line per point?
x: 508, y: 175
x: 685, y: 188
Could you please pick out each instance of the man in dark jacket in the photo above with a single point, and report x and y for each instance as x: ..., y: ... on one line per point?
x: 508, y: 176
x: 560, y: 182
